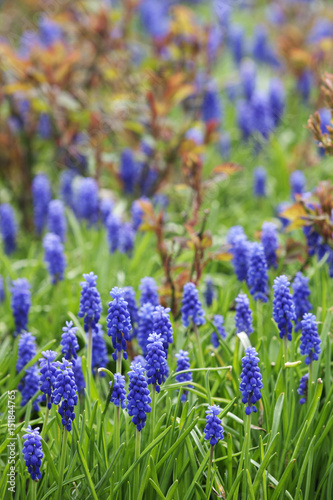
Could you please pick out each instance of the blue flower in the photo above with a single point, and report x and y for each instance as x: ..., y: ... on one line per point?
x: 211, y: 105
x: 148, y: 289
x: 118, y: 322
x: 162, y: 326
x: 69, y: 343
x: 156, y: 365
x: 56, y: 220
x: 213, y: 430
x: 50, y: 31
x: 139, y: 359
x: 20, y: 303
x: 41, y: 193
x: 248, y: 74
x: 32, y: 452
x: 129, y: 296
x: 218, y: 322
x: 8, y: 228
x: 301, y: 293
x: 126, y: 238
x: 137, y: 213
x: 138, y: 399
x: 48, y: 369
x: 183, y: 363
x: 29, y: 386
x: 2, y: 290
x: 154, y: 17
x: 270, y: 243
x: 26, y: 350
x: 90, y: 302
x: 118, y: 396
x: 128, y: 170
x: 113, y: 227
x: 233, y: 233
x: 66, y: 187
x: 191, y: 306
x: 303, y: 388
x: 78, y: 374
x: 209, y: 292
x: 297, y: 183
x: 277, y: 100
x: 44, y: 126
x: 257, y: 277
x: 64, y: 393
x: 240, y: 250
x: 86, y: 202
x: 283, y: 307
x: 244, y: 119
x: 236, y: 42
x: 305, y: 84
x: 145, y: 325
x: 262, y: 49
x: 54, y: 256
x: 243, y: 316
x: 99, y: 350
x: 251, y: 380
x: 261, y: 115
x: 310, y: 340
x: 259, y: 182
x: 105, y: 209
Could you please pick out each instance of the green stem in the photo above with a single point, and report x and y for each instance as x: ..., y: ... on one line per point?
x: 118, y: 362
x: 33, y: 495
x: 201, y: 358
x: 137, y: 469
x: 153, y: 404
x: 62, y: 462
x: 209, y: 472
x: 45, y: 418
x: 247, y: 429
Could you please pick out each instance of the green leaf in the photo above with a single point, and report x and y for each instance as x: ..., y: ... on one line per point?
x: 86, y: 471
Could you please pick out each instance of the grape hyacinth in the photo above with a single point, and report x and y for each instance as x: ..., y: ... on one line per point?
x: 26, y: 350
x: 243, y: 316
x: 78, y: 374
x: 29, y: 386
x: 113, y: 227
x: 20, y: 303
x: 54, y: 257
x: 32, y: 452
x: 137, y: 213
x: 139, y: 359
x: 105, y: 209
x: 2, y: 290
x: 310, y: 340
x: 145, y: 325
x: 48, y: 369
x: 191, y: 306
x: 64, y: 393
x: 118, y: 396
x: 303, y: 389
x: 99, y: 350
x: 56, y: 220
x: 270, y: 243
x: 257, y: 277
x: 128, y: 170
x: 213, y: 430
x: 90, y: 302
x: 156, y: 364
x: 69, y: 343
x: 218, y: 322
x: 66, y: 187
x: 259, y: 184
x: 148, y: 289
x: 86, y: 202
x: 240, y: 256
x: 209, y: 292
x: 118, y: 322
x: 301, y: 293
x: 126, y: 238
x: 283, y: 307
x: 129, y: 296
x: 251, y: 380
x: 138, y: 398
x: 277, y: 100
x: 162, y: 326
x: 297, y: 183
x: 211, y: 106
x: 248, y: 75
x: 8, y: 228
x: 41, y: 193
x: 183, y: 363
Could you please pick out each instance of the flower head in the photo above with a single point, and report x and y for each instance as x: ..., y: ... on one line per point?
x: 297, y: 183
x: 20, y: 303
x: 26, y: 350
x: 283, y: 307
x: 65, y: 393
x: 145, y: 325
x: 8, y: 228
x: 54, y: 256
x: 128, y: 170
x: 118, y: 322
x: 191, y: 306
x: 66, y: 187
x: 138, y: 398
x: 105, y: 209
x: 250, y: 380
x: 32, y: 452
x: 29, y: 386
x: 270, y: 243
x: 48, y: 369
x: 129, y: 296
x: 211, y: 105
x: 86, y: 202
x: 183, y: 363
x: 41, y: 194
x: 126, y: 238
x: 156, y: 364
x: 243, y: 316
x: 257, y: 276
x: 209, y: 292
x: 248, y: 75
x: 301, y: 293
x: 113, y: 227
x: 99, y: 350
x: 162, y: 326
x: 118, y: 396
x: 277, y: 100
x: 218, y: 322
x: 2, y: 290
x: 303, y: 388
x: 78, y: 375
x: 90, y: 302
x: 310, y: 340
x: 259, y: 182
x: 69, y: 343
x: 213, y: 430
x: 240, y: 250
x: 137, y: 213
x: 56, y: 220
x: 148, y: 289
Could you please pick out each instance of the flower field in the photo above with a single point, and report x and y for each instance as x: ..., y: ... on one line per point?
x: 166, y: 250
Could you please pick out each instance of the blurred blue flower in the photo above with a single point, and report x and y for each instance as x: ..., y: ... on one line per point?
x: 8, y: 228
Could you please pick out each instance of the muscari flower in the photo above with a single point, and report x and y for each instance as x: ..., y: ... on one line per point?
x: 248, y: 74
x: 41, y: 193
x: 69, y: 343
x: 310, y: 340
x: 113, y: 227
x: 270, y: 243
x: 8, y: 228
x: 261, y: 115
x: 66, y: 187
x: 251, y: 380
x: 148, y: 289
x: 139, y: 359
x: 209, y: 292
x: 99, y: 357
x: 54, y: 256
x: 128, y: 170
x: 2, y: 290
x: 211, y: 106
x: 118, y: 396
x: 243, y: 316
x: 90, y: 302
x: 86, y: 199
x: 213, y: 430
x: 105, y: 209
x: 138, y: 399
x: 29, y: 386
x: 32, y: 452
x: 64, y: 393
x: 129, y: 296
x: 240, y: 256
x: 78, y: 374
x: 244, y: 119
x: 156, y: 365
x: 48, y: 369
x: 145, y: 325
x: 259, y: 182
x: 118, y: 322
x: 191, y: 306
x: 44, y: 126
x: 283, y: 307
x: 162, y: 326
x: 297, y: 183
x: 218, y: 323
x: 301, y: 293
x: 236, y: 42
x: 137, y: 213
x: 56, y: 220
x: 26, y: 350
x: 304, y: 84
x: 257, y: 277
x: 20, y: 303
x: 183, y: 363
x: 303, y: 388
x: 126, y: 238
x: 277, y: 100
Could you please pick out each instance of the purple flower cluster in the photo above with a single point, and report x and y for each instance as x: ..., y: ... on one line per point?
x: 8, y: 228
x: 283, y: 307
x: 20, y: 303
x: 69, y: 343
x: 301, y: 292
x: 99, y: 357
x: 162, y: 326
x: 218, y: 323
x: 257, y: 277
x: 148, y: 289
x: 156, y: 365
x: 259, y: 182
x: 32, y: 452
x: 64, y: 393
x: 303, y: 388
x: 48, y: 370
x: 213, y: 430
x: 243, y: 316
x: 90, y: 302
x: 41, y: 194
x: 310, y: 340
x: 270, y: 243
x: 54, y: 256
x: 209, y: 292
x: 251, y: 380
x: 183, y: 363
x: 191, y: 306
x: 86, y: 202
x: 118, y: 396
x: 118, y: 322
x: 145, y: 325
x: 138, y: 398
x: 56, y: 220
